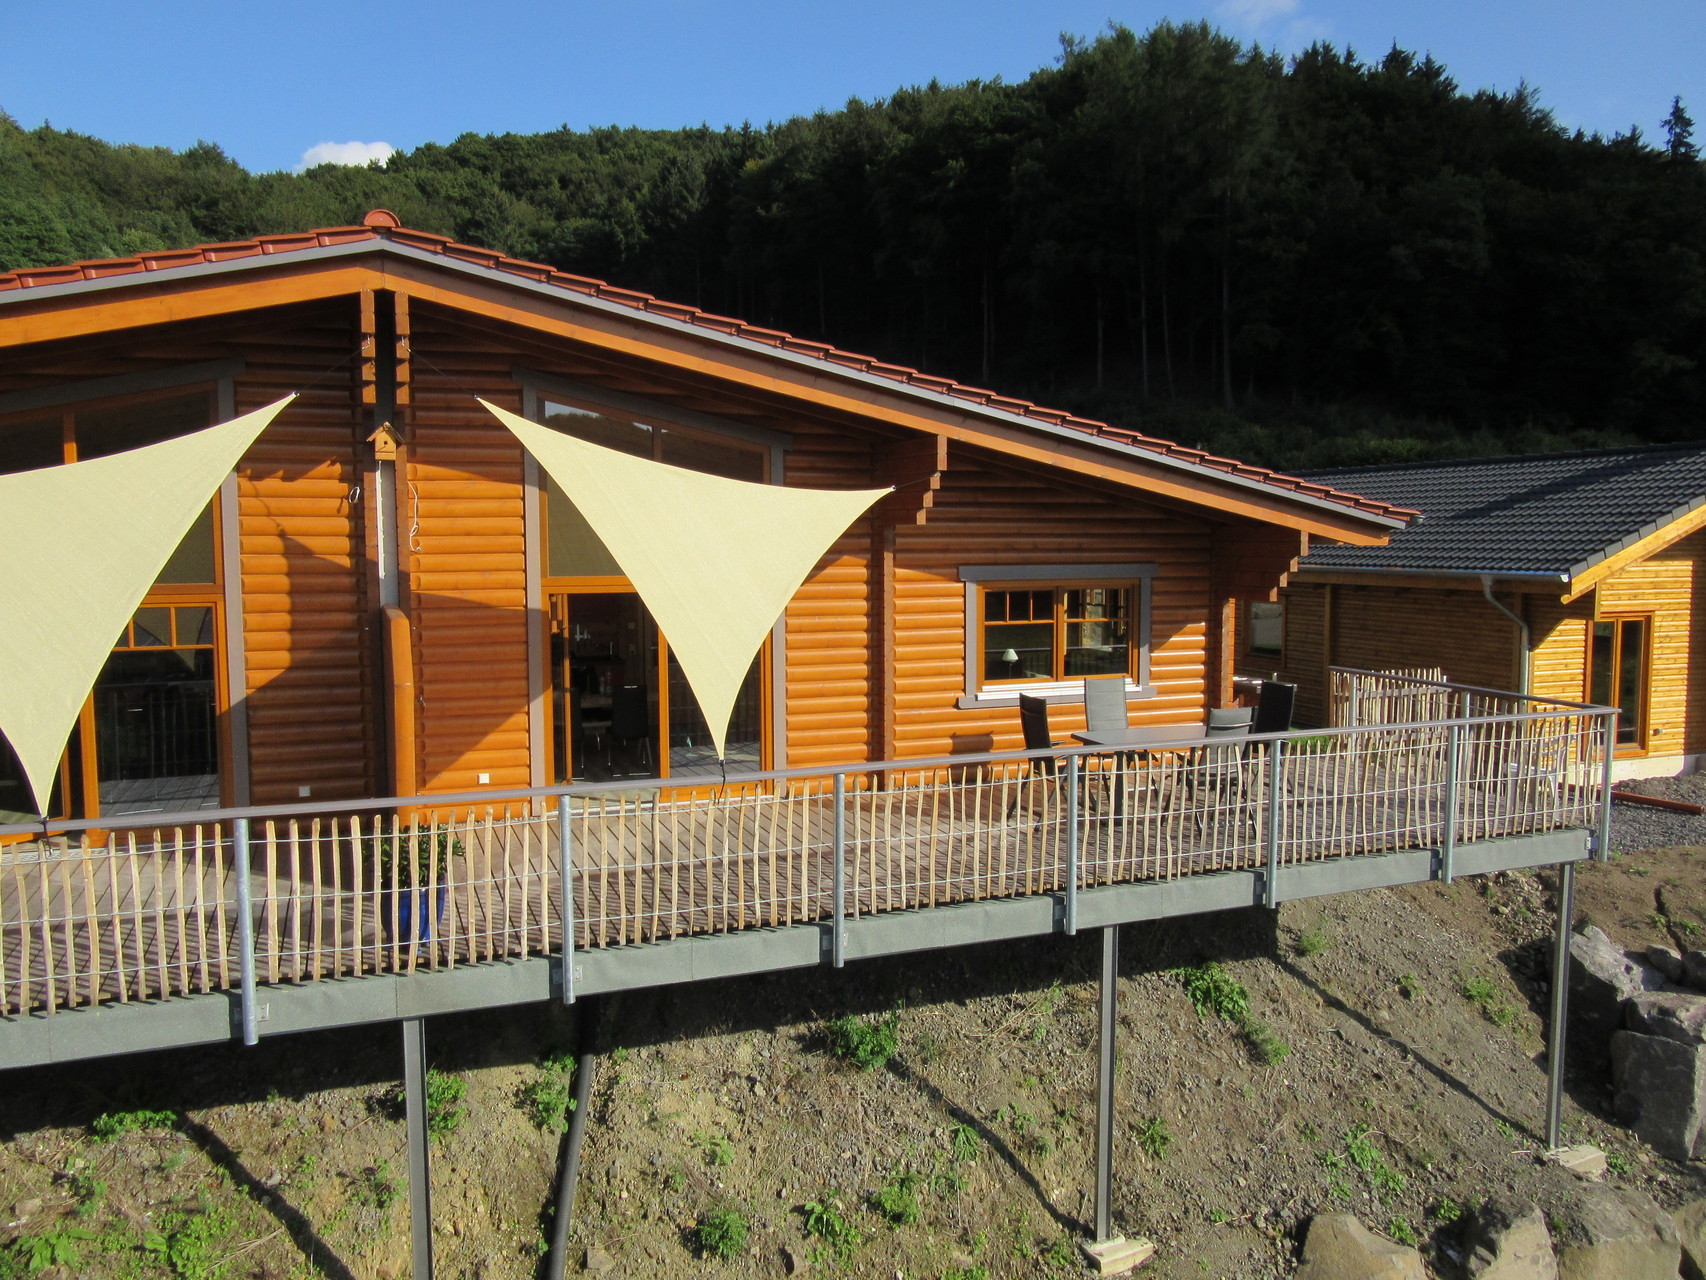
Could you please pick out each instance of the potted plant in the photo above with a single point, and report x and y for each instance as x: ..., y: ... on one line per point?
x: 405, y: 865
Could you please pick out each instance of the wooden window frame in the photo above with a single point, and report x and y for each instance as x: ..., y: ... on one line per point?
x: 1643, y: 730
x: 1058, y: 578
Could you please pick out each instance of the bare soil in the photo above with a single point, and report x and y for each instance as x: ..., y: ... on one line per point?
x: 1393, y: 1094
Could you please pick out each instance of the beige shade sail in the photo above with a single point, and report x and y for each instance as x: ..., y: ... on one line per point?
x: 83, y: 544
x: 715, y: 560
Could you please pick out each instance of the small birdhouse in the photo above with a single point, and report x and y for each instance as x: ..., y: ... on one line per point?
x: 384, y: 441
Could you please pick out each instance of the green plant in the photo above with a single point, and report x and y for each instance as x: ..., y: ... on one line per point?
x: 716, y: 1148
x: 1016, y: 1116
x: 548, y: 1098
x: 424, y: 857
x: 1213, y: 990
x: 1410, y: 988
x: 190, y: 1245
x: 1618, y: 1163
x: 1218, y: 1216
x: 722, y: 1233
x: 444, y: 1099
x: 868, y: 1043
x: 87, y: 1190
x: 1359, y: 1146
x: 1047, y: 1005
x: 1154, y: 1138
x: 1267, y: 1046
x: 1401, y: 1231
x: 973, y: 1272
x: 115, y: 1124
x: 1058, y: 1254
x: 1446, y: 1211
x: 376, y: 1187
x: 964, y: 1143
x: 1480, y: 991
x: 1312, y: 941
x: 825, y: 1222
x: 896, y: 1201
x: 57, y: 1248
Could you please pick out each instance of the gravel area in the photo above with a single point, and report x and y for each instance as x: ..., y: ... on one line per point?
x: 1638, y: 826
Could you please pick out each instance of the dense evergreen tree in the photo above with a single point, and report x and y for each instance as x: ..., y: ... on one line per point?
x: 1331, y: 260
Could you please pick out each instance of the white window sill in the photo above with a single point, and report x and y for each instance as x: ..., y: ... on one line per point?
x: 1050, y: 691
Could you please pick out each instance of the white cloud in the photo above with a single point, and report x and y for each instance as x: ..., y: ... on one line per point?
x: 1255, y: 13
x: 345, y: 153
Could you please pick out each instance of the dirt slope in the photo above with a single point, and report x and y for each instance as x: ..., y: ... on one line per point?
x: 1390, y: 1092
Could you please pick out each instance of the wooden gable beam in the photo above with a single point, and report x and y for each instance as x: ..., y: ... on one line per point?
x: 914, y: 467
x: 1650, y: 545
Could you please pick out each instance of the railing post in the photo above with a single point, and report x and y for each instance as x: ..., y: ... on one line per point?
x: 566, y: 855
x: 245, y: 928
x: 1271, y: 889
x: 1072, y: 844
x: 418, y: 1140
x: 1602, y: 837
x: 1558, y: 1031
x: 1448, y: 837
x: 838, y: 925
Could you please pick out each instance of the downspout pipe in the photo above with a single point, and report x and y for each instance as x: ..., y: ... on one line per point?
x: 585, y: 1065
x: 1521, y: 626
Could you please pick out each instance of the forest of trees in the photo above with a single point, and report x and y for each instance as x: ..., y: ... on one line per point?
x: 1323, y: 261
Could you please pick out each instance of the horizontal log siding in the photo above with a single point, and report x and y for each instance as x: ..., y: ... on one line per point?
x: 1303, y: 657
x: 828, y: 622
x: 1557, y: 668
x: 1668, y: 586
x: 467, y: 567
x: 307, y: 648
x: 989, y: 516
x: 1387, y: 628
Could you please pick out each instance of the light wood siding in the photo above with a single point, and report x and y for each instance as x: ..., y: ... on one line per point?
x: 828, y: 622
x: 1557, y: 668
x: 986, y: 515
x: 467, y: 565
x: 1668, y: 586
x: 307, y: 649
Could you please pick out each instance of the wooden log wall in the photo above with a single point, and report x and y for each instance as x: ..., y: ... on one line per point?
x: 466, y: 561
x: 1302, y: 659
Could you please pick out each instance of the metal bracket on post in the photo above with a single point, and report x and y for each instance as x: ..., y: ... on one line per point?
x: 1271, y: 889
x: 1448, y: 836
x: 245, y: 928
x: 566, y: 852
x: 1558, y: 1030
x: 415, y: 1123
x: 1072, y: 845
x: 838, y: 924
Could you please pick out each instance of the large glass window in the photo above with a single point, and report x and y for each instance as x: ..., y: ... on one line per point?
x: 1264, y: 628
x: 1617, y: 675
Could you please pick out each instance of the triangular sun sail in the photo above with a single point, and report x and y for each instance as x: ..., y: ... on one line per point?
x: 82, y: 544
x: 715, y: 560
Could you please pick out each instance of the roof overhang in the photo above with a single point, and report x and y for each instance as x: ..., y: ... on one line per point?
x: 199, y: 290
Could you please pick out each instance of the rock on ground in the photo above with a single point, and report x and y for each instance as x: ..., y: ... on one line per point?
x: 1672, y: 1015
x: 1508, y: 1240
x: 1691, y: 1228
x: 1339, y: 1247
x: 1659, y: 1090
x: 1618, y: 1235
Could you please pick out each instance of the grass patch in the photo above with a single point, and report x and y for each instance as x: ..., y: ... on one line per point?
x: 896, y: 1201
x: 548, y: 1099
x: 115, y: 1124
x: 1481, y: 991
x: 1154, y: 1138
x: 964, y: 1143
x: 1312, y: 942
x: 721, y: 1233
x: 868, y: 1043
x: 834, y: 1231
x: 1213, y: 990
x: 1268, y: 1047
x: 377, y: 1187
x: 193, y: 1246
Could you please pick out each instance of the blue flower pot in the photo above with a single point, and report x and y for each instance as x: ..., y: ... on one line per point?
x: 412, y: 923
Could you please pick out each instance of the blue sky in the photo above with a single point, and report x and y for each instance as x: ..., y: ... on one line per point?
x: 268, y: 82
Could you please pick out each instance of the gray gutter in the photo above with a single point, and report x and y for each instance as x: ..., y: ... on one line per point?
x: 1526, y: 575
x: 1526, y: 635
x: 814, y: 365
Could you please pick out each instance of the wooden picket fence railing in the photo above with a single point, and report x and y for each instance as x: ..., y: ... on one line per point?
x: 153, y: 910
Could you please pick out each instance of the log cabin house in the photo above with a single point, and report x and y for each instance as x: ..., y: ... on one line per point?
x: 1575, y: 576
x: 388, y: 598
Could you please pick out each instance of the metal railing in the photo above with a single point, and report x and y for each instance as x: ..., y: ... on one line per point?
x: 125, y: 909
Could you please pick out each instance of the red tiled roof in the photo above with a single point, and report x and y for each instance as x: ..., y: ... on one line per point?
x: 382, y: 225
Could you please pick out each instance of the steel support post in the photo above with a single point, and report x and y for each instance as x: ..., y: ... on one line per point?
x: 566, y: 855
x: 1602, y: 837
x: 1275, y: 781
x: 838, y: 924
x: 1072, y: 763
x: 1557, y: 1031
x: 1105, y: 1086
x: 415, y: 1122
x: 1448, y: 836
x: 245, y: 928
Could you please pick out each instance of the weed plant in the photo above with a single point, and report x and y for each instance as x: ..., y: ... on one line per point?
x: 1154, y: 1138
x: 896, y: 1201
x: 549, y: 1098
x: 865, y: 1042
x: 115, y: 1124
x: 1480, y: 991
x: 1312, y: 942
x: 964, y: 1143
x: 722, y: 1233
x: 1213, y: 990
x: 835, y: 1233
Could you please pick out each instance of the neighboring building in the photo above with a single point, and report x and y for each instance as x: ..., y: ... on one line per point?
x: 387, y: 598
x: 1576, y: 576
